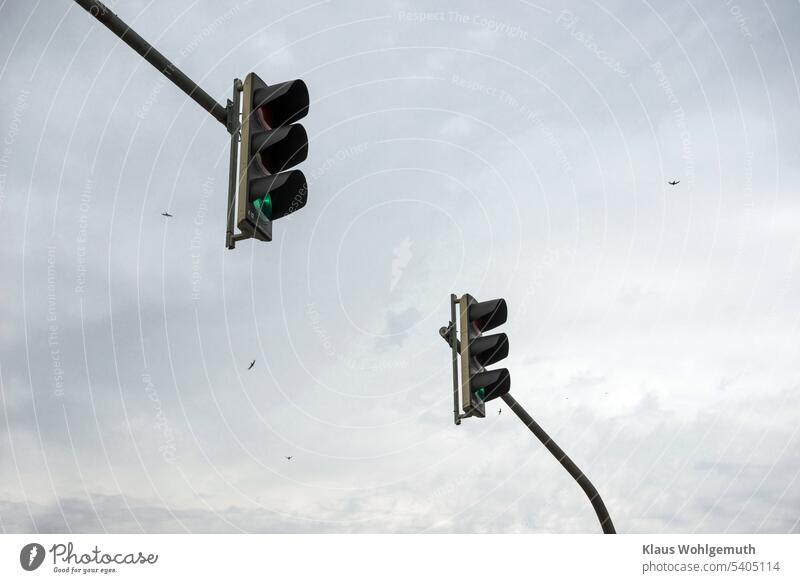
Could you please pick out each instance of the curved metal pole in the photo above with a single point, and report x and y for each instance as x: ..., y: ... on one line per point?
x: 564, y: 460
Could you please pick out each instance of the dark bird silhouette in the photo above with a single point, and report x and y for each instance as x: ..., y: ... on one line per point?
x: 288, y: 457
x: 673, y: 182
x: 252, y: 364
x: 165, y: 214
x: 499, y: 411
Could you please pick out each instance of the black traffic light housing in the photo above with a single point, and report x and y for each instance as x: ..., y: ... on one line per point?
x: 271, y: 144
x: 479, y: 385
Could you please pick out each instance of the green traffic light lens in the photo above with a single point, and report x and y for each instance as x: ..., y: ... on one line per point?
x: 264, y: 206
x: 481, y: 393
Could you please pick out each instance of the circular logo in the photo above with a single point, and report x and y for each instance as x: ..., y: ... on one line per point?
x: 31, y: 556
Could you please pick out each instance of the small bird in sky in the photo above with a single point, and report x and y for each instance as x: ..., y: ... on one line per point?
x: 252, y: 364
x: 673, y: 182
x: 165, y: 214
x: 499, y: 411
x: 289, y: 457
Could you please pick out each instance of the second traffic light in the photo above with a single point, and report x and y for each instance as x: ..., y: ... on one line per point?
x: 271, y: 144
x: 479, y: 385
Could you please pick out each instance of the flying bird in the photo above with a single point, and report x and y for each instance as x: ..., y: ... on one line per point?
x: 165, y: 214
x: 499, y: 411
x: 673, y: 182
x: 288, y: 457
x: 252, y: 364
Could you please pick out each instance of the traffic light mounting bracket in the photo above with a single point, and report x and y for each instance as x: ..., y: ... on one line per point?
x: 234, y: 128
x: 448, y: 333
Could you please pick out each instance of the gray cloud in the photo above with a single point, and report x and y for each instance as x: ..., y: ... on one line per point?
x: 512, y: 150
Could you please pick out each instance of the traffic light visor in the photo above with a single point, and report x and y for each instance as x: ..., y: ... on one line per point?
x: 488, y: 315
x: 491, y: 384
x: 486, y: 350
x: 279, y: 195
x: 279, y: 149
x: 280, y: 104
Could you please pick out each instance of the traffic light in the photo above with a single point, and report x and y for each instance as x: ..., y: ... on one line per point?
x: 479, y: 385
x: 271, y: 144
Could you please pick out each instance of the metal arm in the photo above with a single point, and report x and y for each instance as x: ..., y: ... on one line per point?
x: 102, y: 13
x: 564, y: 460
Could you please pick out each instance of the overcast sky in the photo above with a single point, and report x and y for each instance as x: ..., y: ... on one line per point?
x: 518, y: 149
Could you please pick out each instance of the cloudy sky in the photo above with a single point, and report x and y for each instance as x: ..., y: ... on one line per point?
x: 519, y: 150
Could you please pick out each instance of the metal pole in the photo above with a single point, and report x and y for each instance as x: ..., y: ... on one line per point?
x: 102, y: 13
x: 569, y: 465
